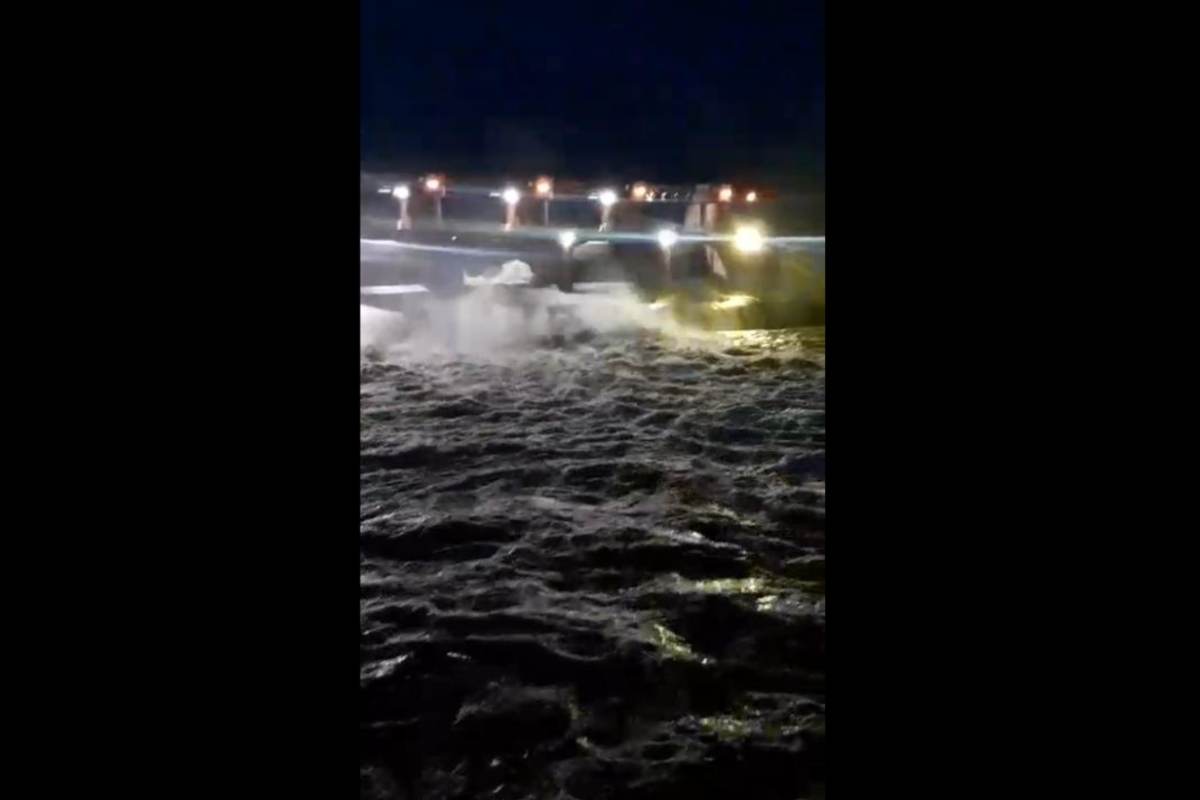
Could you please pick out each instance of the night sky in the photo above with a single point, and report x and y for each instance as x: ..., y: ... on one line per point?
x: 658, y: 90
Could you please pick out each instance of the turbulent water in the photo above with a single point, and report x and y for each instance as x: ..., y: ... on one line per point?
x: 592, y: 557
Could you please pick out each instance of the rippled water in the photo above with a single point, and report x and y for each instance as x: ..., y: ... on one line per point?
x: 593, y: 566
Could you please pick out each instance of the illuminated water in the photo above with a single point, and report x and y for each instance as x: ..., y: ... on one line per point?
x: 592, y: 544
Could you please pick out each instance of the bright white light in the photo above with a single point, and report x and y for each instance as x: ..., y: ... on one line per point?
x: 726, y: 194
x: 566, y: 239
x: 543, y: 187
x: 400, y: 193
x: 608, y: 197
x: 748, y: 239
x: 751, y: 196
x: 511, y: 196
x: 433, y: 184
x: 384, y: 190
x: 667, y: 238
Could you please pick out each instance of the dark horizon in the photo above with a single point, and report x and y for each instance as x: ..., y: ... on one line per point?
x: 645, y: 92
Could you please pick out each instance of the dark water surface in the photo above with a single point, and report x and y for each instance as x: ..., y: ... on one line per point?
x: 593, y: 567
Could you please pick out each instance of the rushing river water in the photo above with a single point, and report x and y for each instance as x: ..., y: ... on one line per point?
x: 592, y: 556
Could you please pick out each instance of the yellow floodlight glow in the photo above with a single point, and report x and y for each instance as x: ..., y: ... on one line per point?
x: 543, y: 187
x: 748, y: 239
x: 733, y: 301
x: 751, y: 196
x: 726, y: 194
x: 639, y: 191
x: 432, y: 184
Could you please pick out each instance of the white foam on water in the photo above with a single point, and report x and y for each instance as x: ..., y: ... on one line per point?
x: 501, y: 314
x: 511, y: 273
x: 379, y: 328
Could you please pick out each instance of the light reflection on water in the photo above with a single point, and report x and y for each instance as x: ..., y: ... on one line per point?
x: 811, y: 339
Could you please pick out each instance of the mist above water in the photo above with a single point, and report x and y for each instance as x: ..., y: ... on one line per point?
x: 501, y: 313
